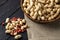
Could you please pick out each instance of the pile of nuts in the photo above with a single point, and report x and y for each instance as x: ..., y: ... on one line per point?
x: 15, y: 26
x: 44, y: 10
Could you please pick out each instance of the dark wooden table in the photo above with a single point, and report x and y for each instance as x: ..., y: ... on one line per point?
x: 10, y: 8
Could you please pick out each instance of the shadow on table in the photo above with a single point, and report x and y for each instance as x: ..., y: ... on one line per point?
x: 52, y: 25
x: 8, y: 37
x: 24, y: 36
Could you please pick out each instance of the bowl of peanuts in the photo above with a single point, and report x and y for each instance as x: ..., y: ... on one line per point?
x: 41, y: 11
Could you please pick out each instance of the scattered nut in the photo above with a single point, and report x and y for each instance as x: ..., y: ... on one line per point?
x: 17, y: 36
x: 7, y: 20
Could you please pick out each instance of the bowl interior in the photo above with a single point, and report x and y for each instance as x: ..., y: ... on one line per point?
x: 58, y: 17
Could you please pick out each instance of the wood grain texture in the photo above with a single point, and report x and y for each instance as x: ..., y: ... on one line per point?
x: 10, y: 8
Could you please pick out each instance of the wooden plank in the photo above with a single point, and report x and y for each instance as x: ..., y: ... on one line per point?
x: 10, y: 9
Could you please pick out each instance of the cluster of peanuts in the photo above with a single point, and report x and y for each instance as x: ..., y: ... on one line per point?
x: 15, y: 26
x: 44, y: 10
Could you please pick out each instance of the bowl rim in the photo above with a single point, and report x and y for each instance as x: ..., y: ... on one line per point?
x: 37, y: 20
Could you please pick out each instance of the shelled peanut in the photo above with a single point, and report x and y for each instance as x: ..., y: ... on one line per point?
x: 15, y: 26
x: 42, y: 9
